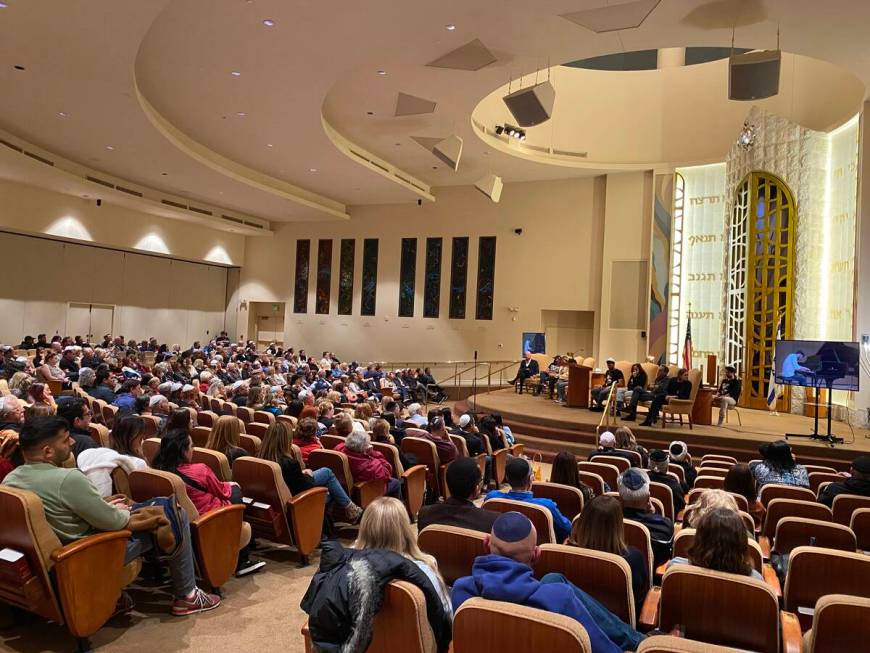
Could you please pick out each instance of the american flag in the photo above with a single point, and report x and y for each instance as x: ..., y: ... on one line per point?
x: 687, y: 346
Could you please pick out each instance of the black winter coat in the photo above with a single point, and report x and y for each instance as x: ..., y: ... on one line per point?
x: 348, y: 590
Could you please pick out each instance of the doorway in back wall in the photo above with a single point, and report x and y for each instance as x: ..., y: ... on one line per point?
x: 568, y: 331
x: 266, y: 323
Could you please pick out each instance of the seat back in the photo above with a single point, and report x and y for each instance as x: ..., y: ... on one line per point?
x: 721, y: 472
x: 824, y: 469
x: 216, y: 405
x: 262, y: 482
x: 607, y: 577
x: 250, y: 443
x: 228, y: 408
x: 256, y: 428
x: 792, y: 532
x: 152, y: 425
x: 720, y: 608
x: 678, y: 470
x: 401, y: 624
x: 108, y: 411
x: 264, y: 417
x: 620, y: 463
x: 199, y: 435
x: 742, y: 503
x: 814, y: 572
x: 860, y: 526
x: 840, y: 623
x: 637, y: 535
x: 292, y: 421
x: 779, y: 508
x: 773, y: 491
x: 610, y: 473
x: 150, y: 447
x: 817, y: 478
x: 482, y: 626
x: 593, y: 480
x: 664, y: 494
x: 206, y: 418
x: 215, y: 461
x: 636, y: 458
x: 245, y: 414
x: 100, y: 434
x: 334, y: 460
x: 726, y: 461
x: 685, y: 538
x: 705, y: 482
x: 426, y: 454
x: 454, y: 548
x: 148, y: 483
x: 331, y: 441
x: 391, y: 453
x: 539, y: 516
x: 569, y: 499
x: 669, y: 644
x: 845, y: 504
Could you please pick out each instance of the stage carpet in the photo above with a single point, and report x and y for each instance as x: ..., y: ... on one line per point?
x: 547, y: 427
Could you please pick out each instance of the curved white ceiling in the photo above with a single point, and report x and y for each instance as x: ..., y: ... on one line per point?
x: 319, y: 62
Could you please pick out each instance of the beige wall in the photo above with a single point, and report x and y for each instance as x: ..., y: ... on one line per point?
x: 174, y: 301
x: 554, y: 265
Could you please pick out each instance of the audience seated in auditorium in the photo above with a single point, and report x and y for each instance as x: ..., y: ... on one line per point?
x: 11, y: 414
x: 634, y: 493
x: 443, y: 444
x: 613, y: 377
x: 778, y: 466
x: 600, y: 527
x: 74, y: 509
x: 77, y: 415
x: 495, y: 432
x: 130, y: 390
x: 564, y: 471
x: 306, y: 437
x: 104, y: 386
x: 720, y: 544
x: 277, y: 447
x: 464, y: 482
x: 224, y: 437
x: 203, y: 488
x: 625, y: 440
x: 40, y: 394
x: 416, y: 417
x: 660, y: 387
x: 179, y: 419
x: 519, y: 475
x: 678, y: 387
x: 607, y: 447
x: 368, y: 464
x: 127, y: 435
x: 505, y: 574
x: 658, y: 473
x: 705, y: 502
x: 98, y: 463
x: 740, y: 480
x: 679, y: 453
x: 858, y: 483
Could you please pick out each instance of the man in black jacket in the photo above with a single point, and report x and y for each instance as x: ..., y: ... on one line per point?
x: 528, y: 368
x: 464, y: 482
x: 728, y: 394
x: 858, y: 483
x: 612, y: 377
x: 678, y: 388
x: 634, y: 493
x: 660, y: 387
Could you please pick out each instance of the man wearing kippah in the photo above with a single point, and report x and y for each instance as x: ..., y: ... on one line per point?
x: 658, y: 473
x: 633, y: 485
x: 506, y: 575
x: 858, y: 483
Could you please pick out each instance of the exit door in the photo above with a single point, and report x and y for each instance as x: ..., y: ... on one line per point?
x: 91, y: 321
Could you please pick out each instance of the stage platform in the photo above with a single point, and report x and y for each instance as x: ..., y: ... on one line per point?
x: 548, y: 427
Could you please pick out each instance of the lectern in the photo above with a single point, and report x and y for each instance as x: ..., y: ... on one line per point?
x: 578, y: 386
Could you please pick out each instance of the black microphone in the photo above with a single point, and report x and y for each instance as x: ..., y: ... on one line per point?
x: 475, y: 354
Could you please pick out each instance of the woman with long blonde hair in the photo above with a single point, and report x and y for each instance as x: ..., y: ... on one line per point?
x: 224, y: 437
x: 385, y: 525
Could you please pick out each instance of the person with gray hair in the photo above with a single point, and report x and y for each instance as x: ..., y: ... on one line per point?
x: 366, y: 464
x: 633, y: 487
x: 87, y: 377
x: 658, y: 473
x: 415, y: 416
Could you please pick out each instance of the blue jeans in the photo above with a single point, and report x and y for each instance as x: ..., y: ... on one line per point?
x: 324, y: 477
x: 180, y: 562
x: 620, y: 633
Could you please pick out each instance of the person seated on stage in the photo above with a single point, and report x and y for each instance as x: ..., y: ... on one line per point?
x: 858, y: 483
x: 464, y: 482
x: 679, y: 453
x: 778, y: 466
x: 637, y: 380
x: 793, y: 372
x: 637, y: 395
x: 612, y: 377
x: 728, y: 394
x: 549, y: 376
x: 678, y: 388
x: 607, y: 447
x: 658, y: 473
x: 721, y: 544
x: 519, y: 475
x: 505, y: 574
x: 633, y: 485
x: 528, y: 368
x: 739, y: 480
x: 709, y: 499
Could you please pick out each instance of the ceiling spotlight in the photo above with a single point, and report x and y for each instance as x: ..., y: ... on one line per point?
x: 746, y: 137
x: 510, y: 131
x: 312, y: 169
x: 62, y: 114
x: 110, y: 147
x: 268, y: 22
x: 241, y: 114
x: 268, y: 145
x: 382, y: 72
x: 236, y: 73
x: 450, y: 27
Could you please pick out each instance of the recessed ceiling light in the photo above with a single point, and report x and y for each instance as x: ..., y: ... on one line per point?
x: 382, y: 72
x: 268, y: 145
x: 312, y: 169
x: 450, y: 27
x: 62, y: 114
x: 241, y: 114
x: 110, y: 147
x: 236, y: 73
x: 268, y: 22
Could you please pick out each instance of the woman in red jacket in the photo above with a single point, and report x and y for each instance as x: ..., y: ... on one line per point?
x: 366, y: 464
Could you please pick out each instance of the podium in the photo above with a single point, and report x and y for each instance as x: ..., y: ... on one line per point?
x: 578, y: 386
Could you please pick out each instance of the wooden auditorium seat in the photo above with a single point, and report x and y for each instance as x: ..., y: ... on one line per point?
x: 593, y: 480
x: 636, y: 458
x: 721, y: 608
x: 206, y: 418
x: 773, y: 491
x: 214, y: 460
x: 229, y: 408
x: 152, y: 425
x: 500, y: 458
x: 607, y: 577
x: 292, y: 421
x: 821, y: 469
x: 817, y: 478
x: 840, y: 623
x: 256, y: 428
x: 483, y: 626
x: 250, y: 443
x: 539, y: 516
x: 363, y: 492
x: 400, y: 626
x: 707, y: 470
x: 454, y: 548
x: 426, y: 453
x: 60, y: 576
x: 245, y: 414
x: 617, y: 461
x: 673, y: 468
x: 264, y: 417
x: 778, y: 509
x: 331, y: 441
x: 670, y: 644
x: 637, y: 535
x: 664, y: 494
x: 150, y: 447
x: 273, y: 512
x: 709, y: 482
x: 814, y: 572
x: 413, y: 479
x: 860, y: 526
x: 845, y: 504
x: 792, y: 532
x: 199, y: 435
x: 217, y: 536
x: 462, y: 447
x: 609, y: 473
x: 108, y: 412
x: 680, y: 407
x: 569, y: 499
x: 718, y: 459
x: 99, y: 434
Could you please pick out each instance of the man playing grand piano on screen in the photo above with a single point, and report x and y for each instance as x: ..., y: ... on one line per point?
x: 793, y: 373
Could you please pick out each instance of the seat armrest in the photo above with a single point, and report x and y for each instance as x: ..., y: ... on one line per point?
x: 772, y: 580
x: 217, y: 539
x: 791, y: 632
x: 649, y: 612
x: 65, y: 553
x: 368, y: 491
x: 305, y: 512
x: 414, y: 489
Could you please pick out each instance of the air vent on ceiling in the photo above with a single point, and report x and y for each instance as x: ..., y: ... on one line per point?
x: 101, y: 182
x: 199, y: 210
x: 580, y: 155
x: 11, y: 146
x: 254, y: 225
x: 177, y: 205
x: 129, y: 191
x: 41, y: 159
x: 232, y: 219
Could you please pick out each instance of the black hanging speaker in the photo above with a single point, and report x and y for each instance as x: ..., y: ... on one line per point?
x: 754, y: 75
x: 532, y: 105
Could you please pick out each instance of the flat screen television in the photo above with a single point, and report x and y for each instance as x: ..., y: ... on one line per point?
x: 818, y: 363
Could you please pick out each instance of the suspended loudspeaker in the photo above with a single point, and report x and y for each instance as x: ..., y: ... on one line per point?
x: 532, y: 105
x: 490, y: 186
x: 754, y: 75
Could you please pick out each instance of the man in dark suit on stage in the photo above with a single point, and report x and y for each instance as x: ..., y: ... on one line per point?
x: 528, y: 368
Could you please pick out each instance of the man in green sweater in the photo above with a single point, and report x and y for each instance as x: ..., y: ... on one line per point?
x: 74, y: 508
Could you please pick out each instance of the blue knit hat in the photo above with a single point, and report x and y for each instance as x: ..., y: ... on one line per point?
x: 511, y: 527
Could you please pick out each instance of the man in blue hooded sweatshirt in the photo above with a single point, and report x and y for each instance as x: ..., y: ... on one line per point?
x: 506, y: 575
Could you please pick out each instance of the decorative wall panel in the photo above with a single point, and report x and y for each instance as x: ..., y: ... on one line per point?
x: 300, y: 287
x: 432, y: 284
x: 345, y: 276
x: 368, y: 301
x: 485, y: 278
x: 675, y: 309
x: 458, y: 277
x: 407, y: 277
x: 660, y: 267
x: 324, y: 276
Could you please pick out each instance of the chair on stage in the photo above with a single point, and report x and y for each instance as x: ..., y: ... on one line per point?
x: 680, y: 407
